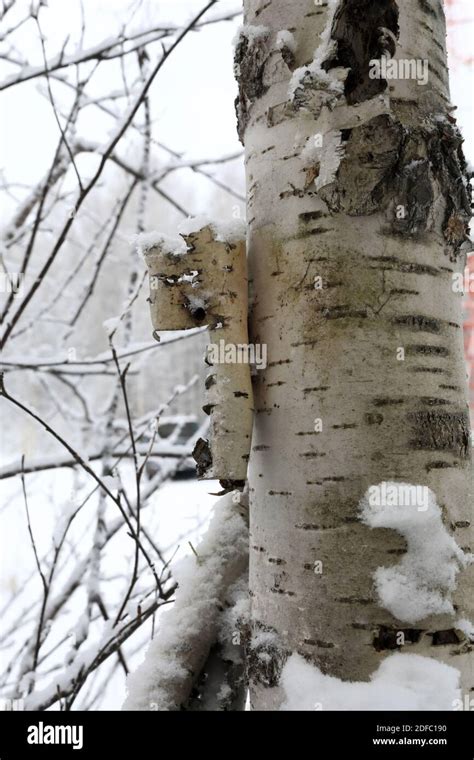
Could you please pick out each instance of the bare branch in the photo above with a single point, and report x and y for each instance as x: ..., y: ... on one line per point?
x: 107, y: 50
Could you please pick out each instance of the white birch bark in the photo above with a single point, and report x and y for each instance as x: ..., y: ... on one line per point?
x: 341, y: 282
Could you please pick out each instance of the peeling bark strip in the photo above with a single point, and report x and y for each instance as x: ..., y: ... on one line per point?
x: 357, y: 209
x: 201, y: 279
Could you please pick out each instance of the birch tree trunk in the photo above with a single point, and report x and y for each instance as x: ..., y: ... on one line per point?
x: 357, y: 213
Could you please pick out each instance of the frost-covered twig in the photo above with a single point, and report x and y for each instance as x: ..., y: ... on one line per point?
x: 105, y: 358
x: 69, y: 683
x: 107, y: 152
x: 32, y: 649
x: 55, y: 461
x: 101, y: 483
x: 105, y: 50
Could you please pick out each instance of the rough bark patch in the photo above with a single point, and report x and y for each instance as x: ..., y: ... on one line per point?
x: 402, y: 170
x: 441, y: 638
x: 418, y: 322
x: 364, y: 30
x: 389, y: 638
x: 440, y: 431
x: 265, y: 655
x: 450, y: 169
x: 371, y: 153
x: 249, y: 65
x: 202, y: 456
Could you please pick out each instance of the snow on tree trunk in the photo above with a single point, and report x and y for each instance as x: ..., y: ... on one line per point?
x: 357, y: 216
x: 196, y: 655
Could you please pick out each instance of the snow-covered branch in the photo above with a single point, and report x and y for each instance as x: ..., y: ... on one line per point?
x: 176, y: 657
